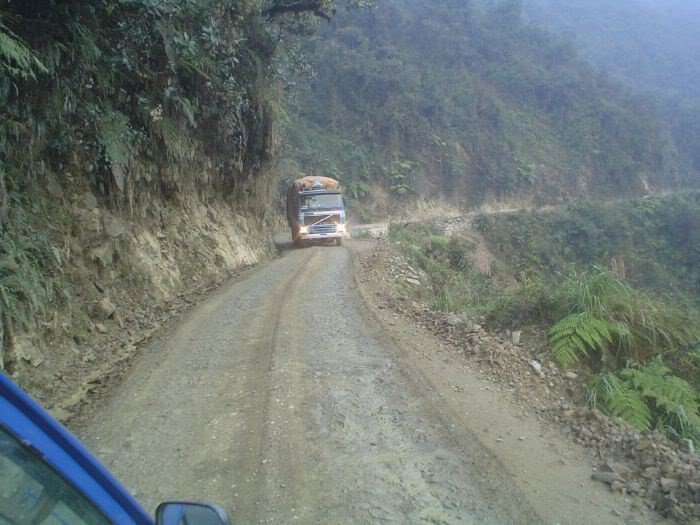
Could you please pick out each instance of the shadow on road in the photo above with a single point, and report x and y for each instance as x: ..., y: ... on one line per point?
x: 283, y: 243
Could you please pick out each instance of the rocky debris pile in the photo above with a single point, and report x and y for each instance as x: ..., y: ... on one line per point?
x: 458, y: 224
x: 402, y: 272
x: 664, y: 475
x: 505, y: 357
x: 648, y: 465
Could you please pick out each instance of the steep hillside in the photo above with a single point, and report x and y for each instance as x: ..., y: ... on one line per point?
x: 472, y: 104
x: 648, y: 43
x: 652, y: 46
x: 611, y: 290
x: 135, y: 165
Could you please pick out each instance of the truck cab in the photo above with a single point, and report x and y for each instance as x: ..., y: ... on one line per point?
x: 316, y: 210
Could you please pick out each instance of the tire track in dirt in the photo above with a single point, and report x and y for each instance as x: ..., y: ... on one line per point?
x: 283, y: 399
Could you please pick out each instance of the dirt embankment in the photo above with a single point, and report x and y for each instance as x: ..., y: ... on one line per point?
x: 646, y: 470
x: 124, y: 274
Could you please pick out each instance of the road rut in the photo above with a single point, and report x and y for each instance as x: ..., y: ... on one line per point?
x: 280, y: 399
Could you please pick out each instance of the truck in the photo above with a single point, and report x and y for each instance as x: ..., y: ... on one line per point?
x: 316, y: 211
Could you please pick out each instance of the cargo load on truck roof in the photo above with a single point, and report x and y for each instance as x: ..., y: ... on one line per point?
x: 315, y: 183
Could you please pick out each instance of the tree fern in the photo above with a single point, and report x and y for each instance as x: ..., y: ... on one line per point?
x: 576, y: 335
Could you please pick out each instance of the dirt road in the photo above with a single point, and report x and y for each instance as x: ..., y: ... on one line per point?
x: 283, y: 398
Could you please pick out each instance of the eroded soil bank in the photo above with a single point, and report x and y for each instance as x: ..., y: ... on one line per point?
x: 121, y: 276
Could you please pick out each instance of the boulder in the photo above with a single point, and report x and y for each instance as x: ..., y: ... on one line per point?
x: 114, y: 227
x: 668, y: 484
x: 606, y: 477
x: 89, y: 201
x: 105, y: 309
x: 454, y: 320
x: 54, y: 188
x: 537, y: 367
x: 651, y: 473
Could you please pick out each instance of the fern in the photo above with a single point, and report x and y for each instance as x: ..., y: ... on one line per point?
x: 649, y: 396
x: 609, y: 314
x: 618, y: 399
x: 16, y: 58
x: 579, y: 334
x: 629, y: 405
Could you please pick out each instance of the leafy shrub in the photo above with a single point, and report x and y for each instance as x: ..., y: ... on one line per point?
x: 401, y: 177
x: 648, y: 397
x: 438, y: 245
x: 458, y: 252
x: 609, y: 315
x: 536, y: 300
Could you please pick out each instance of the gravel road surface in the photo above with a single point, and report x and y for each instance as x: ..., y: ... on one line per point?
x: 282, y: 398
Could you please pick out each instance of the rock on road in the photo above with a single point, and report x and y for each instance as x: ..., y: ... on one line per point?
x: 281, y: 398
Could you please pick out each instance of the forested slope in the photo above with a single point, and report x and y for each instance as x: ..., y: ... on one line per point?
x: 654, y: 47
x: 469, y: 103
x: 135, y: 146
x: 142, y: 141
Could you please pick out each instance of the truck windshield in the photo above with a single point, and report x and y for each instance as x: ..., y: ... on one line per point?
x: 324, y: 201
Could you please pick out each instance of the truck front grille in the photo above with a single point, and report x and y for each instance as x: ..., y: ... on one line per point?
x: 323, y: 228
x: 320, y: 219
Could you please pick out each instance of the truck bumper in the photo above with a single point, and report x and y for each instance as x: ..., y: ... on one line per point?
x: 299, y: 233
x: 321, y: 236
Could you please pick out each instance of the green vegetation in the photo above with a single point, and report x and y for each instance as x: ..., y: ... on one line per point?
x: 139, y: 101
x: 30, y: 277
x: 649, y: 396
x: 651, y: 46
x: 636, y: 324
x: 609, y: 315
x: 453, y: 284
x: 654, y: 242
x: 465, y: 102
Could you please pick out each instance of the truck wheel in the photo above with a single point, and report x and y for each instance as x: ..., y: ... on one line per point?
x: 339, y: 242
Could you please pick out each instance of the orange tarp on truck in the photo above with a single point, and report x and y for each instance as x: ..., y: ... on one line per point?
x: 307, y: 183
